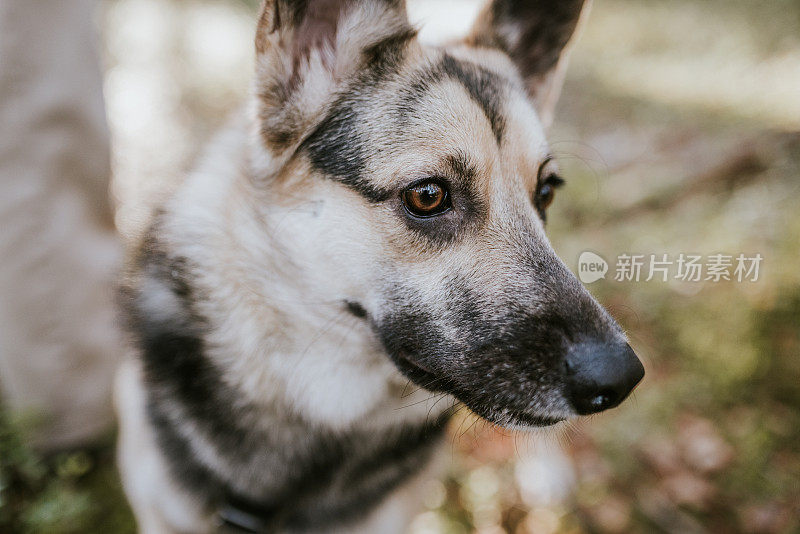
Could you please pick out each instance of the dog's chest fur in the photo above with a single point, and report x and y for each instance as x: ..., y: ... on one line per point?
x: 282, y: 407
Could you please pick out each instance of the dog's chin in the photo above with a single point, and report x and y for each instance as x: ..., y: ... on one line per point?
x: 513, y: 420
x: 524, y: 421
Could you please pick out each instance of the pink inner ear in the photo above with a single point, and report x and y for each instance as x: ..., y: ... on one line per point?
x: 318, y: 28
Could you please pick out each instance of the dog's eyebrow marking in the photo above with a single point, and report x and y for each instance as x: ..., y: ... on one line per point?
x: 548, y: 173
x: 461, y: 165
x: 483, y: 86
x: 338, y: 147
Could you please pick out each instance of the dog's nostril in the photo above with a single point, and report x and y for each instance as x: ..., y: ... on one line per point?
x: 599, y: 402
x: 599, y: 376
x: 602, y: 401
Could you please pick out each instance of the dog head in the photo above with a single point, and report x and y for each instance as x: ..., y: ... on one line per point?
x: 411, y: 184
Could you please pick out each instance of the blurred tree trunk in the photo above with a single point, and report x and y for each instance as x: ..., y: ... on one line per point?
x: 58, y: 246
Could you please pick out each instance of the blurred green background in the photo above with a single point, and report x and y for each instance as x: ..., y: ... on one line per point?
x: 678, y: 132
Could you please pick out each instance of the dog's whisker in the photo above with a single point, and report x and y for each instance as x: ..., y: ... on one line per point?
x: 427, y: 399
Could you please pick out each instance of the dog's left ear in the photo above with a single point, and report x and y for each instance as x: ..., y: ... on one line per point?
x: 309, y: 50
x: 535, y: 34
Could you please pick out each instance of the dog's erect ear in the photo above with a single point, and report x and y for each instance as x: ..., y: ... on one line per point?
x: 535, y: 34
x: 307, y: 49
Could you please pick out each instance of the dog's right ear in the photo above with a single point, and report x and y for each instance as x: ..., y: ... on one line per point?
x: 307, y: 49
x: 534, y: 34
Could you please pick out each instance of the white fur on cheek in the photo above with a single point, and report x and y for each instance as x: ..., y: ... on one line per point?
x: 275, y: 279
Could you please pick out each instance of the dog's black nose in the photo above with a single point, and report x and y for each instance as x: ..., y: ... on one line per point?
x: 601, y: 375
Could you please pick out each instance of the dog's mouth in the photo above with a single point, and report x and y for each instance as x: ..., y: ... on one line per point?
x: 419, y: 373
x: 424, y: 377
x: 524, y: 419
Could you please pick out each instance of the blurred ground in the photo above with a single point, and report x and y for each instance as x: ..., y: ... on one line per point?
x: 678, y: 132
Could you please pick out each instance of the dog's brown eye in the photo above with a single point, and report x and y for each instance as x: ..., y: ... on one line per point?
x: 548, y: 180
x: 546, y: 196
x: 426, y: 199
x: 547, y: 193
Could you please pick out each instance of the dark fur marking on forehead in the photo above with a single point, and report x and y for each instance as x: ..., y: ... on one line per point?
x: 338, y: 147
x: 483, y: 86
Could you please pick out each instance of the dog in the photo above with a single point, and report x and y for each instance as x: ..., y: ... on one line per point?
x: 368, y: 239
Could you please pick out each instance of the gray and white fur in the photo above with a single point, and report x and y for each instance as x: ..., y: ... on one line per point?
x: 292, y: 316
